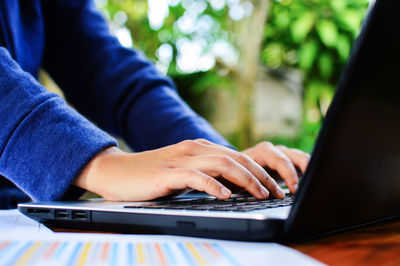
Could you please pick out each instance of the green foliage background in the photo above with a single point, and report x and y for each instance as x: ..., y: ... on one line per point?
x: 314, y: 36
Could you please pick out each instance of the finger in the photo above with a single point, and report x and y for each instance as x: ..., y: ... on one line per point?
x: 270, y: 156
x: 265, y: 179
x: 298, y: 157
x: 205, y: 141
x: 199, y: 146
x: 203, y: 147
x: 191, y: 178
x: 226, y: 167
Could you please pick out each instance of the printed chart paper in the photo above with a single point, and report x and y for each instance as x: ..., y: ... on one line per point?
x: 14, y: 221
x: 108, y: 249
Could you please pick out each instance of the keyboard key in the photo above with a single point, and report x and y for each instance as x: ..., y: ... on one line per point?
x: 240, y: 204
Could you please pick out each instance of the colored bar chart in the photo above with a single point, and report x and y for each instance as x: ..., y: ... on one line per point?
x: 80, y: 253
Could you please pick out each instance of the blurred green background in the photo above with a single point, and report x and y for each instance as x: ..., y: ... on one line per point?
x: 256, y: 69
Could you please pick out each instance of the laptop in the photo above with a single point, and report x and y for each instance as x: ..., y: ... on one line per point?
x: 353, y: 178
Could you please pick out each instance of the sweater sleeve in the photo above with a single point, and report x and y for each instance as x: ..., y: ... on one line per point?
x: 44, y: 144
x: 115, y: 87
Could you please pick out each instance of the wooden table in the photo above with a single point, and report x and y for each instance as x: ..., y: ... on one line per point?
x: 372, y: 245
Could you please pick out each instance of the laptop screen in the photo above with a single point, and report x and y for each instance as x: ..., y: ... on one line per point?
x: 354, y: 174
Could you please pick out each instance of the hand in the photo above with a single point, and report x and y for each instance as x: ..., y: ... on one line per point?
x: 117, y: 175
x: 281, y: 159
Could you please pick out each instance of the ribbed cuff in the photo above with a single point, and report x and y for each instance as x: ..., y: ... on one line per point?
x: 49, y: 148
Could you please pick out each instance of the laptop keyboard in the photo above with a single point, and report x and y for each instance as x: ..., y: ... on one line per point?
x: 241, y: 204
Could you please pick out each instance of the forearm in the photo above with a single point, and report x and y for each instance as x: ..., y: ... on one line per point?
x: 162, y: 118
x: 116, y: 87
x: 44, y: 144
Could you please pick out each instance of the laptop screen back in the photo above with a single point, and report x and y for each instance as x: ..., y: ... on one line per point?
x: 354, y: 174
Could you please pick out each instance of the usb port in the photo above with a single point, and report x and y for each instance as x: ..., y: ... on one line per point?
x: 79, y: 215
x: 39, y: 211
x: 61, y: 214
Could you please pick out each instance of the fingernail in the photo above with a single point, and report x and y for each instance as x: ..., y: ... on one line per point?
x: 280, y: 192
x: 225, y: 192
x: 264, y: 192
x: 295, y: 187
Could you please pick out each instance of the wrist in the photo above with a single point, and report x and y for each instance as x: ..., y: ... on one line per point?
x: 90, y: 178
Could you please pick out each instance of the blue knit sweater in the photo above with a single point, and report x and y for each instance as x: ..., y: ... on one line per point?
x: 44, y: 143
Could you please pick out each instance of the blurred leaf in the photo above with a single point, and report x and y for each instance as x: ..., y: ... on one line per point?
x: 283, y: 19
x: 307, y: 54
x: 302, y: 26
x: 351, y: 19
x: 325, y: 97
x: 338, y: 5
x: 325, y: 65
x: 312, y: 93
x: 274, y: 55
x: 328, y: 32
x: 343, y: 47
